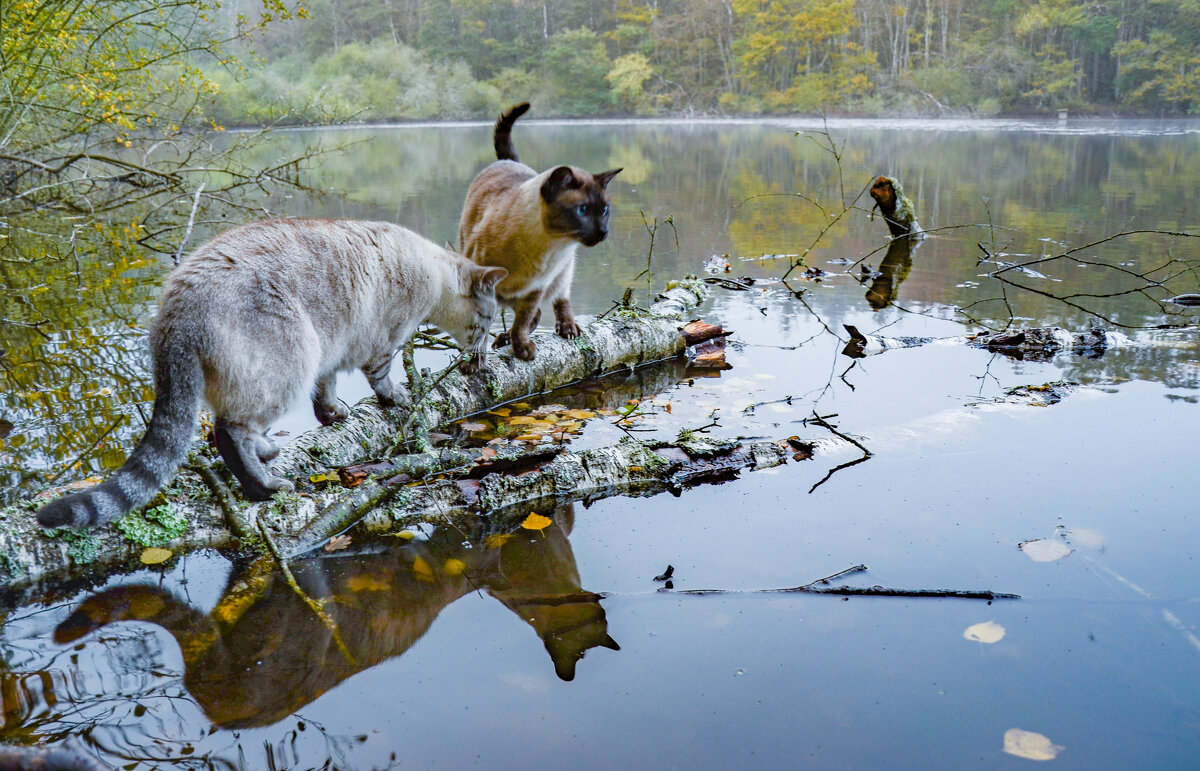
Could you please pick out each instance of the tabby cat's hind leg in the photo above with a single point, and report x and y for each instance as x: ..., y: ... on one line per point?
x: 238, y: 445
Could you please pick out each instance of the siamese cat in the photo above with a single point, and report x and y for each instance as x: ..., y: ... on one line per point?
x: 272, y: 310
x: 531, y: 224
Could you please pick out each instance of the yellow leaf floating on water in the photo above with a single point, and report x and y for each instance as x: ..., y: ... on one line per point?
x: 529, y: 438
x: 406, y: 535
x: 536, y: 521
x: 579, y: 414
x: 454, y: 567
x: 497, y: 540
x: 155, y: 556
x: 1030, y: 745
x: 502, y: 412
x: 986, y: 632
x: 422, y: 570
x: 366, y: 583
x: 1044, y: 549
x: 521, y: 405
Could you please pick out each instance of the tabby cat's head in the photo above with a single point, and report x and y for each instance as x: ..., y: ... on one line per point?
x: 576, y: 204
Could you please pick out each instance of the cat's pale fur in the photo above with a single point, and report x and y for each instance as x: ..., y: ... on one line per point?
x: 269, y: 312
x: 531, y: 224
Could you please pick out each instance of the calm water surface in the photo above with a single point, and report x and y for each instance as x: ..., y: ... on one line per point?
x: 462, y: 648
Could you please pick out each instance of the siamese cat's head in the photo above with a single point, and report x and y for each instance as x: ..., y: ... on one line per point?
x: 575, y: 204
x: 470, y: 326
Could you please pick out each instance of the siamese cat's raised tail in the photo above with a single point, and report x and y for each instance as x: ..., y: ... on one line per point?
x: 502, y: 134
x: 272, y: 311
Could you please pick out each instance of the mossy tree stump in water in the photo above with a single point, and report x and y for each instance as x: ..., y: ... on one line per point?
x: 896, y: 208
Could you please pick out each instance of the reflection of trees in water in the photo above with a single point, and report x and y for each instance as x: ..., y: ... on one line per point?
x: 261, y: 654
x: 74, y: 367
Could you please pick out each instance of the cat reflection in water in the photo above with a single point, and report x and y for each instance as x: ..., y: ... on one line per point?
x: 261, y: 654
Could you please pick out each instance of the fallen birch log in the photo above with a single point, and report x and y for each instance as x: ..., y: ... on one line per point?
x: 200, y: 508
x: 627, y: 468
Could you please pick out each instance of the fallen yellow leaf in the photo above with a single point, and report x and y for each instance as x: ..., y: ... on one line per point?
x: 497, y: 540
x: 406, y: 535
x: 529, y: 438
x: 155, y: 556
x: 337, y: 543
x: 454, y: 567
x: 523, y: 420
x: 422, y: 570
x: 579, y: 414
x: 502, y: 412
x: 366, y: 583
x: 537, y: 522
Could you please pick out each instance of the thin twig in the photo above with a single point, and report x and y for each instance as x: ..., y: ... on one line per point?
x: 316, y: 606
x: 191, y: 221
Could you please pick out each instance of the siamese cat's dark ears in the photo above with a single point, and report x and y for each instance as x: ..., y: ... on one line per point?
x: 559, y: 178
x: 604, y: 177
x: 563, y: 177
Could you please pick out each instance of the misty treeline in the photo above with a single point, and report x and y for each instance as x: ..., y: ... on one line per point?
x: 411, y: 59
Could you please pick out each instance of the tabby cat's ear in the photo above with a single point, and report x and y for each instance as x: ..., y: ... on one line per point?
x: 604, y: 177
x: 560, y: 178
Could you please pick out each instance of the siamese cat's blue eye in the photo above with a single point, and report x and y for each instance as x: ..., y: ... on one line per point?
x: 582, y: 210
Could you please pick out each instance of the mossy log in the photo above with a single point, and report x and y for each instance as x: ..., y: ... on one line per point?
x: 216, y: 516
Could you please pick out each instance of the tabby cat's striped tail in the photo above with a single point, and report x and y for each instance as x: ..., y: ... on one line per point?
x: 502, y: 136
x: 179, y: 388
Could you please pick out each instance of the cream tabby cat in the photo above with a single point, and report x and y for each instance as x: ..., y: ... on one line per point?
x: 269, y: 311
x: 531, y: 224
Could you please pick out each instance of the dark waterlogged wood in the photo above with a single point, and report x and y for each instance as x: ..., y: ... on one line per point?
x: 823, y: 586
x: 217, y: 516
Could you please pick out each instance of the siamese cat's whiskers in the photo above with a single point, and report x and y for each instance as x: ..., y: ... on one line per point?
x: 532, y: 224
x: 268, y: 311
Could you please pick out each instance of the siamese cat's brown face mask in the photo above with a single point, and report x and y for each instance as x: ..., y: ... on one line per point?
x: 576, y: 204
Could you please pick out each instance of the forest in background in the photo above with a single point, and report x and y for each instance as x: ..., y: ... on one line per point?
x: 445, y: 59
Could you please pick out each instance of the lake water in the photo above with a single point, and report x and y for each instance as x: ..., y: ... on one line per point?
x: 476, y: 664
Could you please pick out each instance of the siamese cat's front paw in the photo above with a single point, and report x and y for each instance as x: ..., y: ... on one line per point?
x: 328, y: 414
x: 472, y: 364
x: 567, y: 328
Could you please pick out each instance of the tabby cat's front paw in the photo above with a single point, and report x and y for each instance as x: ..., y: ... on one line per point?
x: 502, y: 340
x: 567, y: 328
x: 524, y: 349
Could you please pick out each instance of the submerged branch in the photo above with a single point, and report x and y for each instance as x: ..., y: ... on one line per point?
x: 822, y: 586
